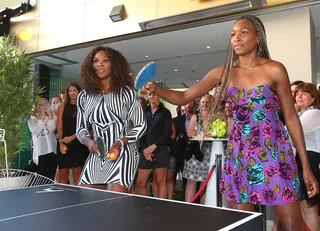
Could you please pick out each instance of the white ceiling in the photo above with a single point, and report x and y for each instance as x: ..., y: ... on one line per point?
x: 182, y: 56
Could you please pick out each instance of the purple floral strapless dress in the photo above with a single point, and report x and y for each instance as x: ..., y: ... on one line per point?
x: 259, y: 165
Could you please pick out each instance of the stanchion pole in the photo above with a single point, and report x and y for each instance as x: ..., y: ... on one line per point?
x: 218, y: 177
x: 263, y: 210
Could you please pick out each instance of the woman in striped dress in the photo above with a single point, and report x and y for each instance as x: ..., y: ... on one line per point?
x: 110, y: 106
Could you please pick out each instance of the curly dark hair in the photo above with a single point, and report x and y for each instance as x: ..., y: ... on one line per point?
x: 120, y: 71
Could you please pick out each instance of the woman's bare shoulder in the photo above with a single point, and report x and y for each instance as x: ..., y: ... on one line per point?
x: 218, y: 70
x: 274, y: 65
x: 216, y: 73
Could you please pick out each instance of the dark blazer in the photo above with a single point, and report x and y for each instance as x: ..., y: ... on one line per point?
x: 179, y: 123
x: 159, y: 128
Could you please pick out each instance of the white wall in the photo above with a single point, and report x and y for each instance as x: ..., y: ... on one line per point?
x: 289, y: 41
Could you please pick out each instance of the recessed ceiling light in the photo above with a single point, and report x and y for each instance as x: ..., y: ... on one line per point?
x: 147, y: 56
x: 208, y: 47
x: 175, y: 69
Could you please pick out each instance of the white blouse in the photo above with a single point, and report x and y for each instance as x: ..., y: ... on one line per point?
x: 43, y: 136
x: 310, y: 121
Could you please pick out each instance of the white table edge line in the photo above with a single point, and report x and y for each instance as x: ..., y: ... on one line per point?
x: 238, y: 223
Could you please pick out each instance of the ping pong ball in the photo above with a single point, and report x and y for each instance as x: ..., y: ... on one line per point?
x: 112, y: 155
x: 25, y: 35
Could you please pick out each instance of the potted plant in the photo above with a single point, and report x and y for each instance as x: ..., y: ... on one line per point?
x: 17, y: 96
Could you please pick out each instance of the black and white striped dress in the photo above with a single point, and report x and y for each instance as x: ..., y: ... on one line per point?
x: 111, y: 117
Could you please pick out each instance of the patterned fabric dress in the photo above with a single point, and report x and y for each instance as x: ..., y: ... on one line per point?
x: 198, y: 170
x: 111, y: 118
x: 194, y: 169
x: 260, y: 166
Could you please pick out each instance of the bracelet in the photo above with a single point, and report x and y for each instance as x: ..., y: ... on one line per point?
x: 121, y: 143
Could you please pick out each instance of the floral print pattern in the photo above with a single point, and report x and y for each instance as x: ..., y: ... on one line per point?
x: 259, y: 165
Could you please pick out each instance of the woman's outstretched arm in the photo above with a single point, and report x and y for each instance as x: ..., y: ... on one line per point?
x: 183, y: 97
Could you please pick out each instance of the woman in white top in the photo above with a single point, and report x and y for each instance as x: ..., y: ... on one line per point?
x: 42, y: 125
x: 308, y: 100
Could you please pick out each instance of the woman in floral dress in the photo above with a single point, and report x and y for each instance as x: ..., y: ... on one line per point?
x: 259, y: 166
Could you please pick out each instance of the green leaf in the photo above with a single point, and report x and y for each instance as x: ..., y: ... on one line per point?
x: 17, y: 96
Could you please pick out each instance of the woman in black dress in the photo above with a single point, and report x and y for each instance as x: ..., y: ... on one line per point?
x: 72, y: 154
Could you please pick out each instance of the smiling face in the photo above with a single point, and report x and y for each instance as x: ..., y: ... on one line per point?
x: 244, y: 38
x: 205, y: 103
x: 227, y: 110
x: 102, y: 65
x: 304, y: 99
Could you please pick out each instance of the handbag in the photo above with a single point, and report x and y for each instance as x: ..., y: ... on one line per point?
x: 194, y: 149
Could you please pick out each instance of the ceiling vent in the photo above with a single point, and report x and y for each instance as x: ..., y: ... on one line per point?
x: 202, y: 14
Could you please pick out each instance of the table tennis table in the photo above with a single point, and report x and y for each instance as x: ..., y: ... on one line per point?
x: 65, y: 207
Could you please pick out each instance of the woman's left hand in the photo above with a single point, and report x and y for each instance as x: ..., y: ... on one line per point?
x: 114, y: 151
x: 311, y: 183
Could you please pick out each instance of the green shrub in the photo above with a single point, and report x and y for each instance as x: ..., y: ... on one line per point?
x: 17, y: 96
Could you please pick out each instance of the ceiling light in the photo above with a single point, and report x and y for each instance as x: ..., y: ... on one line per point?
x: 197, y: 80
x: 175, y: 69
x: 208, y: 47
x: 147, y: 56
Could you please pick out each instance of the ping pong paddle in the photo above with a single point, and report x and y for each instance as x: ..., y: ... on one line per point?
x: 101, y: 147
x: 145, y: 75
